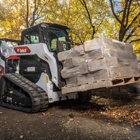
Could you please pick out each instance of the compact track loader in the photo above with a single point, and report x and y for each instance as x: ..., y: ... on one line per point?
x: 30, y: 72
x: 30, y: 75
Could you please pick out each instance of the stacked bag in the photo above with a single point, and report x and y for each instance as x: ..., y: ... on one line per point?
x: 98, y: 60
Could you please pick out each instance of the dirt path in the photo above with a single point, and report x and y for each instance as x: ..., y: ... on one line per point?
x: 69, y: 121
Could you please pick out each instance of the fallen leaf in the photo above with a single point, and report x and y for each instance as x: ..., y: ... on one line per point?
x: 47, y: 114
x: 21, y: 136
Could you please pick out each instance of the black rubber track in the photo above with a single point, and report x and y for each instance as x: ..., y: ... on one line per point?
x: 39, y: 97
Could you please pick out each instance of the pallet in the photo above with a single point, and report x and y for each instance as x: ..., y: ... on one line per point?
x: 101, y: 84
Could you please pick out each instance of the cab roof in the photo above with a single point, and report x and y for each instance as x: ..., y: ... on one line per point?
x: 45, y: 25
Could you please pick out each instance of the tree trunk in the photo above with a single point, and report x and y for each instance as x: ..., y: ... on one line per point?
x: 122, y: 33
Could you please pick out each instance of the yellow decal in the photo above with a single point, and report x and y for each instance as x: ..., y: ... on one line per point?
x: 47, y: 79
x: 11, y: 92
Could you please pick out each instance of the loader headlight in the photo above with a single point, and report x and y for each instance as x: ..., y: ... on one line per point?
x: 44, y: 25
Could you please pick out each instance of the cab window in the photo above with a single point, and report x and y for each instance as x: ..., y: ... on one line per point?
x: 31, y: 38
x: 54, y: 35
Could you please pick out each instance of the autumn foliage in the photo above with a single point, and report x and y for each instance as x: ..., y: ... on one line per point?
x: 87, y: 19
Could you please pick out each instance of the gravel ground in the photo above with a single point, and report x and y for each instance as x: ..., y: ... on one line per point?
x: 102, y: 119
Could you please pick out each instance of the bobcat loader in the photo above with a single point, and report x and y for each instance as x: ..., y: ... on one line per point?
x: 30, y: 76
x: 30, y: 72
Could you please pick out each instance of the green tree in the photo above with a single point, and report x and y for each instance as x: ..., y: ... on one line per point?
x: 84, y: 17
x: 20, y: 14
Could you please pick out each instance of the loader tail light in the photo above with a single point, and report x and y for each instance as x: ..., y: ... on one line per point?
x: 13, y: 58
x: 1, y: 70
x: 23, y: 49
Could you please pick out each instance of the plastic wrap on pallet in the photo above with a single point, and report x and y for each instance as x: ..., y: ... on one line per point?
x: 98, y: 43
x: 133, y: 63
x: 74, y: 52
x: 127, y: 72
x: 106, y: 43
x: 138, y: 58
x: 136, y: 72
x: 101, y: 75
x: 95, y: 54
x: 117, y: 53
x: 96, y: 49
x: 109, y: 47
x: 97, y: 57
x: 75, y: 61
x: 96, y: 76
x: 105, y: 74
x: 71, y: 81
x: 98, y: 60
x: 80, y: 79
x: 122, y: 72
x: 78, y: 60
x: 115, y: 72
x: 94, y: 65
x: 70, y: 72
x: 139, y: 67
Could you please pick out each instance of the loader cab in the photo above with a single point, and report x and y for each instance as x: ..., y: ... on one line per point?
x: 54, y: 35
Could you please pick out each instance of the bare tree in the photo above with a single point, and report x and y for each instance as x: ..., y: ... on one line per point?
x: 83, y: 2
x: 35, y: 13
x: 128, y: 18
x: 101, y: 11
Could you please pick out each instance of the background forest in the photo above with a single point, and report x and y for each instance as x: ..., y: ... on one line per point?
x: 87, y: 19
